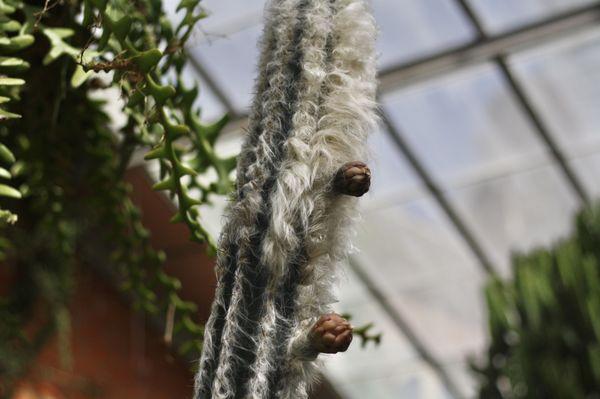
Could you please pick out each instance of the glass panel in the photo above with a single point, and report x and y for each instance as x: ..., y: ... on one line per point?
x: 210, y: 106
x: 465, y: 126
x: 462, y: 375
x: 469, y: 133
x: 234, y: 76
x: 414, y: 255
x: 393, y: 180
x: 415, y: 28
x: 411, y: 246
x: 230, y: 16
x: 391, y: 370
x: 517, y: 212
x: 509, y: 14
x: 448, y: 316
x: 408, y: 380
x: 563, y: 80
x: 373, y: 360
x: 224, y: 16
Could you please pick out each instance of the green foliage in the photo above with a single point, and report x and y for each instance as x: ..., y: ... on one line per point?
x: 171, y: 124
x: 364, y: 332
x: 545, y: 323
x: 67, y: 162
x: 14, y: 37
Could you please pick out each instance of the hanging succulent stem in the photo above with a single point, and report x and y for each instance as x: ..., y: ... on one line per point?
x: 14, y: 38
x: 138, y: 67
x: 75, y: 190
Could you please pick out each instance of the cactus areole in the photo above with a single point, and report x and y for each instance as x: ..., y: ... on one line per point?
x: 289, y: 223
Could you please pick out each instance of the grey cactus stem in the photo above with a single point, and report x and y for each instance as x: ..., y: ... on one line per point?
x: 286, y: 230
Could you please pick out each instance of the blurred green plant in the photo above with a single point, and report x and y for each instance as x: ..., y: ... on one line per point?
x: 13, y: 39
x: 545, y: 322
x: 60, y: 153
x: 364, y: 332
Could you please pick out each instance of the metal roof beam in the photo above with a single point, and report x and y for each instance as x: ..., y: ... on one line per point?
x: 214, y: 86
x: 522, y: 99
x: 488, y: 47
x: 437, y: 193
x: 403, y: 326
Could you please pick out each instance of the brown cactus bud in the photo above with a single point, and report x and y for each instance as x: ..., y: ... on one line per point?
x: 331, y: 334
x: 353, y: 178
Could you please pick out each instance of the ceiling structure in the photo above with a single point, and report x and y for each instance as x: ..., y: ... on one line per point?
x: 489, y: 142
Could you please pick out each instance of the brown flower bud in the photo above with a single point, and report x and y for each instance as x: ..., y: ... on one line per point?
x: 353, y: 178
x: 331, y: 334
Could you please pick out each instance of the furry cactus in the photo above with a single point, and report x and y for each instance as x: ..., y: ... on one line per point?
x: 289, y: 223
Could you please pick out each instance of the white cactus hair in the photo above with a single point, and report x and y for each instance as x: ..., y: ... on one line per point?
x: 287, y: 231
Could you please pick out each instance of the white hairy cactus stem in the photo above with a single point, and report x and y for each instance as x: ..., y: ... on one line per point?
x: 287, y: 231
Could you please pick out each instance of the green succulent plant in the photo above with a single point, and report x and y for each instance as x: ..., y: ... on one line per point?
x: 62, y: 164
x: 545, y: 322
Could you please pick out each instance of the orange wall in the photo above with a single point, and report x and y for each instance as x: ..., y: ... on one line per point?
x: 114, y: 354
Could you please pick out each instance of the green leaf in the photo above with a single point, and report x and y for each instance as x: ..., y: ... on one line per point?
x: 7, y: 191
x: 5, y: 173
x: 18, y: 168
x: 167, y: 184
x: 61, y: 33
x: 135, y: 98
x: 155, y: 153
x: 118, y: 27
x: 13, y: 64
x: 191, y: 19
x: 16, y: 43
x: 147, y: 60
x: 80, y: 76
x: 160, y: 93
x: 594, y: 357
x: 58, y: 46
x: 211, y: 132
x: 10, y: 26
x: 6, y: 81
x: 7, y: 217
x: 4, y: 115
x: 6, y: 8
x: 100, y: 4
x: 6, y: 155
x: 183, y: 169
x: 177, y: 218
x: 230, y: 163
x: 188, y: 4
x: 191, y: 325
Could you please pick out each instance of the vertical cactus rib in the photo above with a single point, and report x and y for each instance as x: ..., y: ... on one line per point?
x: 238, y: 352
x: 227, y: 263
x: 287, y: 231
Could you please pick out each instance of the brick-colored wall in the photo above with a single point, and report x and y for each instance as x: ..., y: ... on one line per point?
x: 114, y: 354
